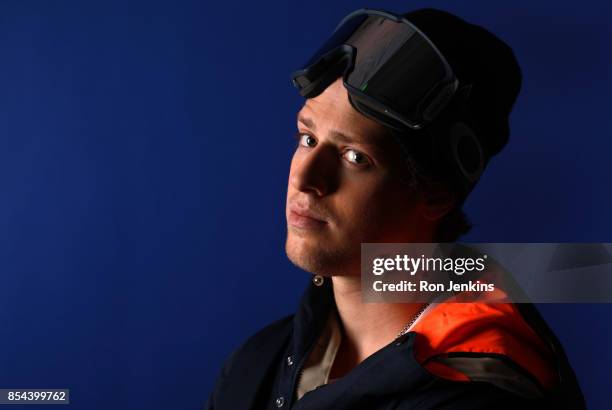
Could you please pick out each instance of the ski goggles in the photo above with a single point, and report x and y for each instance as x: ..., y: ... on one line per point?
x: 392, y: 71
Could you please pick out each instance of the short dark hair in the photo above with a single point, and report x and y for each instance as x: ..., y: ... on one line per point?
x: 419, y: 171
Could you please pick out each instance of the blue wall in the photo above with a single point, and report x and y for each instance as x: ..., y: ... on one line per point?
x: 144, y: 150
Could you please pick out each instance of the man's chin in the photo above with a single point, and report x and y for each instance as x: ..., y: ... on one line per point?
x: 307, y: 255
x: 319, y: 257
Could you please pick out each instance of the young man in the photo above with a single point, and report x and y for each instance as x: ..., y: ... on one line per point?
x: 400, y: 119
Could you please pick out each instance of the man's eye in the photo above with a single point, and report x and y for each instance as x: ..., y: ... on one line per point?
x: 355, y: 157
x: 307, y: 140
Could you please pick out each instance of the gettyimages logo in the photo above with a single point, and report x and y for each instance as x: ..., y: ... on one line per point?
x: 489, y: 272
x: 411, y: 265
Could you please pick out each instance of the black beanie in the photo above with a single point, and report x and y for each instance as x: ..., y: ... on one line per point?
x: 479, y: 58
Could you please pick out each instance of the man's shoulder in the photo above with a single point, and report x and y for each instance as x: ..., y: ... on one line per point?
x: 264, y: 343
x: 247, y: 368
x: 279, y: 329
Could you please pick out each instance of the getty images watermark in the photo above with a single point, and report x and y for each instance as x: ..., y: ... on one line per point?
x: 422, y: 264
x: 487, y: 272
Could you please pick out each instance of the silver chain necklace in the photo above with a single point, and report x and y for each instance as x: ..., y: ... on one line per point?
x: 414, y: 319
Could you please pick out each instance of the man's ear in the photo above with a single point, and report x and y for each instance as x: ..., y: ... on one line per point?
x: 438, y: 200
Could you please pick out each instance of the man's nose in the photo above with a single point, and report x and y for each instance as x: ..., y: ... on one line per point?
x: 315, y: 171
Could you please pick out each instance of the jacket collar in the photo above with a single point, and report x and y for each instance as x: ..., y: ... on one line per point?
x: 315, y: 306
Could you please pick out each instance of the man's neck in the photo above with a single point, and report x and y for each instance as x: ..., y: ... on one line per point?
x: 367, y: 327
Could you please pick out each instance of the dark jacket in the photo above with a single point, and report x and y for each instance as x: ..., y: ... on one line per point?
x: 263, y: 373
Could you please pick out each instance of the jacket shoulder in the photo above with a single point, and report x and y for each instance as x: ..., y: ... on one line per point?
x: 249, y: 365
x: 266, y: 341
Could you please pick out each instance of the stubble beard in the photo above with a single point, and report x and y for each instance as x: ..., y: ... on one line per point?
x: 319, y: 258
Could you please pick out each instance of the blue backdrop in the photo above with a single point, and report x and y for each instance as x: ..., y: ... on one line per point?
x: 144, y: 151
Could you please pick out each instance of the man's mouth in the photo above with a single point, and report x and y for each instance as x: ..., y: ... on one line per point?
x: 304, y: 217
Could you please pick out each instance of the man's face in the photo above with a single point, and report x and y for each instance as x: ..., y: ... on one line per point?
x: 345, y: 187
